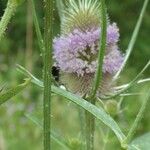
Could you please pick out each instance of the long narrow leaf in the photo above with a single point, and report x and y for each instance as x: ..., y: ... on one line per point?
x: 99, y: 113
x: 37, y: 28
x: 12, y: 92
x: 133, y: 38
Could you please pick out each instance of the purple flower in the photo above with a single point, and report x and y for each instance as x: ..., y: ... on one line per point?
x: 77, y: 51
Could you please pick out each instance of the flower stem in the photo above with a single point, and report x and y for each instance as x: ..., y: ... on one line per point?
x: 90, y: 120
x: 101, y: 53
x: 9, y: 12
x: 89, y: 128
x: 47, y: 71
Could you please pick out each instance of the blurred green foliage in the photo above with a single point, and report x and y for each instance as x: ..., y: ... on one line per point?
x: 16, y: 131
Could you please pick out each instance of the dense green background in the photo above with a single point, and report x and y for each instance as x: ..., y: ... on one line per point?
x: 16, y: 130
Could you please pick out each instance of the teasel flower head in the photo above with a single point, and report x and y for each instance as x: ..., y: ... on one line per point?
x: 76, y: 49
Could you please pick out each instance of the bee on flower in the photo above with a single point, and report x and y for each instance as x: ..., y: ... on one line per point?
x: 76, y: 49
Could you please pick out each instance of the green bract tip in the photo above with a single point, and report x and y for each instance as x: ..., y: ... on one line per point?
x: 80, y: 14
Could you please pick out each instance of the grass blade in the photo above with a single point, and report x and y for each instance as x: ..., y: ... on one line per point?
x: 37, y: 29
x: 133, y: 38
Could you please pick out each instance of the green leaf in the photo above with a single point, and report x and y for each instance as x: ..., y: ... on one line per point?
x: 28, y: 74
x: 57, y: 138
x: 12, y: 92
x: 99, y: 113
x: 141, y: 143
x: 37, y: 28
x: 133, y: 38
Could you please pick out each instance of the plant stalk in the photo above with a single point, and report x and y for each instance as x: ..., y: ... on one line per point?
x: 48, y: 37
x: 90, y: 120
x: 9, y: 12
x: 101, y: 53
x: 89, y: 129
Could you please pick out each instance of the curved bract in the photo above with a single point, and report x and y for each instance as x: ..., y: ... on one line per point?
x: 80, y: 14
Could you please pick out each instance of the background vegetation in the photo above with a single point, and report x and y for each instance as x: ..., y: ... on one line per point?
x: 20, y: 47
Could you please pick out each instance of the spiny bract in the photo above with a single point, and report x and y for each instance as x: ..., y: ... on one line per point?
x: 80, y: 14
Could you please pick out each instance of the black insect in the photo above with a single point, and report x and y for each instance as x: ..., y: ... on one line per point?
x: 55, y: 73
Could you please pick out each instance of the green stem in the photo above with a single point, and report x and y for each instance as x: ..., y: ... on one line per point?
x: 106, y: 139
x: 82, y: 126
x: 89, y: 129
x: 48, y: 32
x: 9, y: 12
x: 90, y: 121
x: 137, y: 120
x: 98, y: 75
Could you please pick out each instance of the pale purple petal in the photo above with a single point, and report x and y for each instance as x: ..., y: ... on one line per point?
x: 73, y: 52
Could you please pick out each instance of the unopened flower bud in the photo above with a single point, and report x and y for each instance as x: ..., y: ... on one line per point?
x: 111, y: 107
